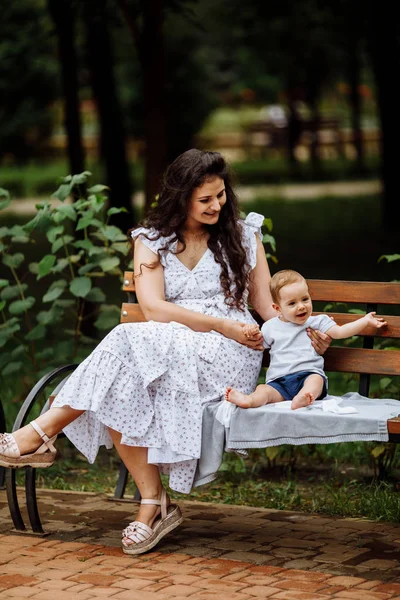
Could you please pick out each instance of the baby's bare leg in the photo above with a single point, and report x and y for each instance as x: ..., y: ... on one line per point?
x: 263, y: 394
x: 311, y: 389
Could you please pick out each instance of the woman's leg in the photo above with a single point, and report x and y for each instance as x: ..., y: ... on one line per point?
x: 52, y: 422
x: 146, y: 477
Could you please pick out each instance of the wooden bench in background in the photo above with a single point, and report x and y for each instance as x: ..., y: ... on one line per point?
x: 365, y: 361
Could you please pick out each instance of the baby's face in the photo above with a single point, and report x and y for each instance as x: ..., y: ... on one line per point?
x: 295, y: 304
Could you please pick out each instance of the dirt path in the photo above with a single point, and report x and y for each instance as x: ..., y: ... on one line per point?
x: 300, y: 191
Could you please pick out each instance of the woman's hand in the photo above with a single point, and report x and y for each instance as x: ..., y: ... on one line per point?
x: 320, y: 341
x: 240, y: 332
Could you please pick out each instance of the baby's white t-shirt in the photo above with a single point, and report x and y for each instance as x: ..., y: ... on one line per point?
x: 290, y: 347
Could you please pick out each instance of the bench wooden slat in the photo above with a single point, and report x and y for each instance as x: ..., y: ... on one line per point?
x: 394, y: 425
x: 128, y: 285
x: 354, y: 291
x: 131, y: 313
x: 358, y: 360
x: 332, y: 291
x: 392, y: 330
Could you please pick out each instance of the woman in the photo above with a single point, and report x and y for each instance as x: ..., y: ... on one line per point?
x: 196, y: 267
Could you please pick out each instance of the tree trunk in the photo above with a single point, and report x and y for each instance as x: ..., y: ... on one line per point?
x: 112, y: 142
x: 356, y: 105
x: 153, y: 69
x: 64, y: 16
x: 384, y: 46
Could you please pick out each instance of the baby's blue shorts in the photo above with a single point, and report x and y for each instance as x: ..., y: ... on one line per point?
x: 290, y: 385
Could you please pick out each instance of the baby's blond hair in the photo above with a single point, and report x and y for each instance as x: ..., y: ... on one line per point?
x: 282, y: 278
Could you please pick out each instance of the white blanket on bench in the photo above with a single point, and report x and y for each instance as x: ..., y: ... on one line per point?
x: 276, y: 424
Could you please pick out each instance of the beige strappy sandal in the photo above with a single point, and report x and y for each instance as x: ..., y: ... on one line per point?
x: 10, y: 456
x: 143, y: 537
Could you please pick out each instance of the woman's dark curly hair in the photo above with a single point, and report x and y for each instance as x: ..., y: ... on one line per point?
x: 167, y: 218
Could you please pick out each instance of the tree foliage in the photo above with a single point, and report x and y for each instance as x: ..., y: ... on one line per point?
x: 27, y: 78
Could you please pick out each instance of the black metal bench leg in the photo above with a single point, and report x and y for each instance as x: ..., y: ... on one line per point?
x: 31, y: 501
x: 12, y: 499
x: 3, y: 428
x: 121, y: 483
x: 30, y: 484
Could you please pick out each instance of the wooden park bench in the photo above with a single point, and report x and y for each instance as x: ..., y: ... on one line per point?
x: 365, y: 361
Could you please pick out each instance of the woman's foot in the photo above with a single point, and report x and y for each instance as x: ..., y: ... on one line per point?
x: 302, y: 399
x: 154, y: 520
x: 29, y: 446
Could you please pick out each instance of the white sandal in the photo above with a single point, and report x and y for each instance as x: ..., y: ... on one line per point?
x: 10, y: 455
x: 143, y: 537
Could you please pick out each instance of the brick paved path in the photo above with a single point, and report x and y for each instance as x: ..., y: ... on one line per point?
x: 220, y: 553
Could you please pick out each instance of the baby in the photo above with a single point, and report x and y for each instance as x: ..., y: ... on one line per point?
x: 296, y: 371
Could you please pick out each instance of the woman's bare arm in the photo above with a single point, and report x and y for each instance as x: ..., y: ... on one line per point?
x: 260, y: 296
x: 151, y: 296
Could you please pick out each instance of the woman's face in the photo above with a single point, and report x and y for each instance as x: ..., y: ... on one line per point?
x: 206, y: 203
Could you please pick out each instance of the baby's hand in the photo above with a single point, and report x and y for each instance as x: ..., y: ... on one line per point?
x: 251, y: 330
x: 375, y: 321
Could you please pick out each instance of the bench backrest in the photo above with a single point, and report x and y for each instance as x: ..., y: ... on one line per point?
x: 373, y: 296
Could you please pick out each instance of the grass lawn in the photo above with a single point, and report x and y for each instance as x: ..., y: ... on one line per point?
x: 326, y: 484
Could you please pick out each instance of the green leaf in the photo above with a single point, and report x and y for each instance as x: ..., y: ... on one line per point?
x: 81, y: 177
x: 52, y: 294
x: 37, y: 333
x: 109, y: 317
x: 378, y: 451
x: 45, y: 354
x: 389, y: 257
x: 85, y: 221
x: 12, y: 367
x: 121, y: 247
x: 20, y: 239
x: 66, y: 210
x: 59, y: 283
x: 115, y: 211
x: 2, y: 304
x: 19, y: 306
x: 64, y: 189
x: 96, y: 250
x: 53, y: 233
x: 65, y: 303
x: 34, y: 268
x: 268, y: 223
x: 57, y: 245
x: 113, y: 234
x: 60, y: 265
x: 12, y: 291
x: 272, y: 452
x: 80, y: 286
x: 96, y: 295
x: 385, y: 382
x: 7, y: 200
x: 84, y: 244
x: 97, y: 189
x: 46, y: 265
x: 5, y: 232
x: 86, y: 268
x: 13, y: 260
x: 49, y: 317
x: 269, y: 239
x: 41, y: 222
x: 107, y: 264
x: 4, y: 283
x: 18, y: 351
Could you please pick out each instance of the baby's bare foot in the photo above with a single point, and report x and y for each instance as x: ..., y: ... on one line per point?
x: 304, y: 399
x: 237, y: 397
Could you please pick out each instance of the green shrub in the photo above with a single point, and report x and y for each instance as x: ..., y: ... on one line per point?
x: 41, y: 330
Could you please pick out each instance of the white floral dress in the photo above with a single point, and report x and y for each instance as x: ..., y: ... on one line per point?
x: 150, y: 381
